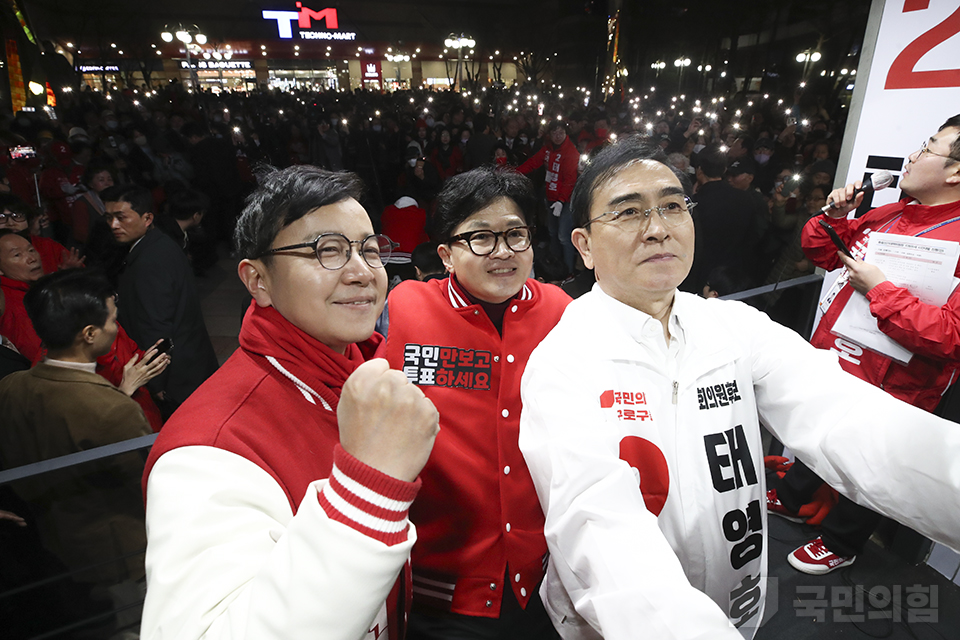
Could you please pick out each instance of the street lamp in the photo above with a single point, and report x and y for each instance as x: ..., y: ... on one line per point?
x: 219, y: 54
x: 398, y: 58
x: 659, y: 66
x: 681, y: 64
x: 459, y: 42
x: 188, y: 35
x: 806, y: 57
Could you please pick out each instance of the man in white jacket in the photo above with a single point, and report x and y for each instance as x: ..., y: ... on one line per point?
x: 641, y: 424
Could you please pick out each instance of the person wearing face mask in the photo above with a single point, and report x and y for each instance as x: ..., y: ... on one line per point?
x: 464, y: 341
x: 109, y: 120
x: 768, y: 164
x: 601, y: 134
x: 522, y: 149
x: 501, y: 155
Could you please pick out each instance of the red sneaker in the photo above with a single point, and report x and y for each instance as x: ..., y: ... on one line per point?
x: 816, y: 559
x: 775, y: 507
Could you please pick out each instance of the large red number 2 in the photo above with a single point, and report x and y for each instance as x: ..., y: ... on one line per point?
x: 902, y: 75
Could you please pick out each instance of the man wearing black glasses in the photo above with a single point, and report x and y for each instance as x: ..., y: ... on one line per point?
x: 464, y: 341
x: 277, y: 495
x: 931, y: 209
x: 641, y: 428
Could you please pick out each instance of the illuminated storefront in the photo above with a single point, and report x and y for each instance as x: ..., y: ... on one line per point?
x: 216, y: 75
x: 116, y: 73
x: 306, y: 49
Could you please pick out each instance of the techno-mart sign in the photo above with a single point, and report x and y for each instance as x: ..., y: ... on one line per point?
x: 305, y: 18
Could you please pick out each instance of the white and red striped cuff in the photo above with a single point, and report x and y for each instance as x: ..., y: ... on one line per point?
x: 367, y: 500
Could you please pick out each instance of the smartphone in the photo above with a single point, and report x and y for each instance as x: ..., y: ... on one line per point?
x: 17, y: 153
x: 165, y: 345
x: 835, y: 237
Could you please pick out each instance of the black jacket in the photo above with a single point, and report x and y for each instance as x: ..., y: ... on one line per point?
x: 726, y: 234
x: 158, y: 299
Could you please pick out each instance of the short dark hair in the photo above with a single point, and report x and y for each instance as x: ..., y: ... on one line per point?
x: 557, y: 124
x: 61, y: 304
x: 283, y: 197
x: 181, y: 205
x: 10, y: 202
x: 95, y: 167
x: 807, y: 192
x: 467, y: 193
x: 139, y: 198
x: 426, y: 258
x: 726, y: 280
x: 955, y: 147
x: 607, y: 163
x: 713, y: 161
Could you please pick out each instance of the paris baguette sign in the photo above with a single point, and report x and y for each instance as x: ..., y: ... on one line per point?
x: 304, y: 19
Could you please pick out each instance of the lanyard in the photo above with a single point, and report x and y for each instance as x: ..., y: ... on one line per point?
x: 925, y: 231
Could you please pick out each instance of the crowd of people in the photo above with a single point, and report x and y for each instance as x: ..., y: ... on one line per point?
x: 406, y: 145
x: 424, y: 215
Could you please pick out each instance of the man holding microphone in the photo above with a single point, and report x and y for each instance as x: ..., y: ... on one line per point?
x: 931, y: 182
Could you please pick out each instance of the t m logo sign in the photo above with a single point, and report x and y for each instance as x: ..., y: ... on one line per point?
x: 304, y: 18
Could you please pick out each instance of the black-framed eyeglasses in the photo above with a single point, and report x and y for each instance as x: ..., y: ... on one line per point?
x: 925, y: 149
x: 634, y: 219
x: 333, y: 250
x: 12, y: 215
x: 484, y: 242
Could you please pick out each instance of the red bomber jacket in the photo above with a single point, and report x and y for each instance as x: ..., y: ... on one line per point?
x: 477, y: 514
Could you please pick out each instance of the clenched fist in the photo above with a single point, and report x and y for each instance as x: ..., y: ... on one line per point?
x: 386, y: 422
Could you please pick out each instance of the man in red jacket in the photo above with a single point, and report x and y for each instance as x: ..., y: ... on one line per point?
x: 560, y: 159
x: 277, y: 494
x: 464, y: 341
x: 931, y: 180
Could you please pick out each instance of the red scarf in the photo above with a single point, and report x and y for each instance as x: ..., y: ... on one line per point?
x: 267, y: 333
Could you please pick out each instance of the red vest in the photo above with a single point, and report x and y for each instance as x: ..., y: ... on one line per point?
x: 477, y: 514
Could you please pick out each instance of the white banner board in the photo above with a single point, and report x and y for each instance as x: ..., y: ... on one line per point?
x: 908, y: 84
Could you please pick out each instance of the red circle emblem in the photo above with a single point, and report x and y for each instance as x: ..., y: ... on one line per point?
x: 646, y: 457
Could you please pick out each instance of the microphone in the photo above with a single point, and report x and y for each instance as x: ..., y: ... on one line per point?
x: 879, y: 180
